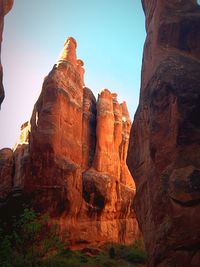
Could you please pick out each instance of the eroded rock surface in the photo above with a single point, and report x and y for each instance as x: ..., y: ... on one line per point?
x: 165, y: 138
x: 70, y: 160
x: 6, y: 172
x: 5, y: 6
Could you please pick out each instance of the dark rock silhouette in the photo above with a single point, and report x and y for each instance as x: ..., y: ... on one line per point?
x: 165, y: 137
x: 5, y: 6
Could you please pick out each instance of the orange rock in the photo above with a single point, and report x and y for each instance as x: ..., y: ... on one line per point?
x: 68, y: 161
x: 125, y: 176
x: 24, y: 135
x: 104, y: 154
x: 81, y: 70
x: 68, y: 53
x: 117, y: 135
x: 57, y: 118
x: 56, y: 138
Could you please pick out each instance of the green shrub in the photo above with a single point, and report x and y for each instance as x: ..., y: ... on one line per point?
x: 133, y: 253
x: 112, y: 252
x: 27, y: 240
x: 125, y: 256
x: 5, y: 250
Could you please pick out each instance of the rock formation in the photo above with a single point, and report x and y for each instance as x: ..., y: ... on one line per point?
x: 5, y: 6
x: 6, y: 171
x: 70, y: 160
x: 165, y: 137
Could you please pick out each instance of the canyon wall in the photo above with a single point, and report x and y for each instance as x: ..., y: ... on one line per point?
x: 164, y: 151
x: 70, y: 160
x: 5, y: 6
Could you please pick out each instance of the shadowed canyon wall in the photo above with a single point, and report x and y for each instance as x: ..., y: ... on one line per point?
x: 70, y: 160
x: 5, y: 6
x: 164, y: 150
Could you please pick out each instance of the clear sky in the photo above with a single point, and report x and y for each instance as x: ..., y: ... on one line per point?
x: 110, y: 36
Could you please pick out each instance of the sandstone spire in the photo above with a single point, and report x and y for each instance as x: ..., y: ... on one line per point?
x: 125, y: 113
x: 81, y: 70
x: 68, y: 54
x: 125, y: 176
x: 54, y: 163
x: 105, y: 124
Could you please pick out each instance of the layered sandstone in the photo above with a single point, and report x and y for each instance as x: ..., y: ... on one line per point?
x: 5, y: 6
x: 165, y: 137
x: 70, y: 159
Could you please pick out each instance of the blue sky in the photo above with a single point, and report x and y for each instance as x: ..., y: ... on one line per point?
x: 110, y: 36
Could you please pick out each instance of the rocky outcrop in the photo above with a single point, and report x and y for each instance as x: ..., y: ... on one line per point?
x: 165, y: 137
x: 6, y: 172
x: 70, y: 159
x: 5, y: 6
x: 109, y: 120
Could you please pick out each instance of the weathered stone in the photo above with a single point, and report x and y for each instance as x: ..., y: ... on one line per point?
x: 6, y: 172
x: 56, y: 138
x: 125, y: 176
x: 104, y: 154
x: 68, y: 54
x: 70, y: 159
x: 165, y: 138
x: 5, y: 6
x: 89, y: 128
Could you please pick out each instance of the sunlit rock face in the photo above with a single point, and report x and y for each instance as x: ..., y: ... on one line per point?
x: 165, y: 137
x: 70, y: 160
x: 5, y: 6
x: 107, y: 146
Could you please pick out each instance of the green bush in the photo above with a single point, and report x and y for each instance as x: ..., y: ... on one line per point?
x: 5, y: 250
x: 27, y: 240
x: 112, y: 252
x: 132, y: 253
x: 111, y: 255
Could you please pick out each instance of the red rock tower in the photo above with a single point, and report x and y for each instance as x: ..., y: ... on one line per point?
x: 68, y: 160
x: 68, y: 54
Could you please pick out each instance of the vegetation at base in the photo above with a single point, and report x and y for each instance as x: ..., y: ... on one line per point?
x: 111, y: 255
x: 28, y: 241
